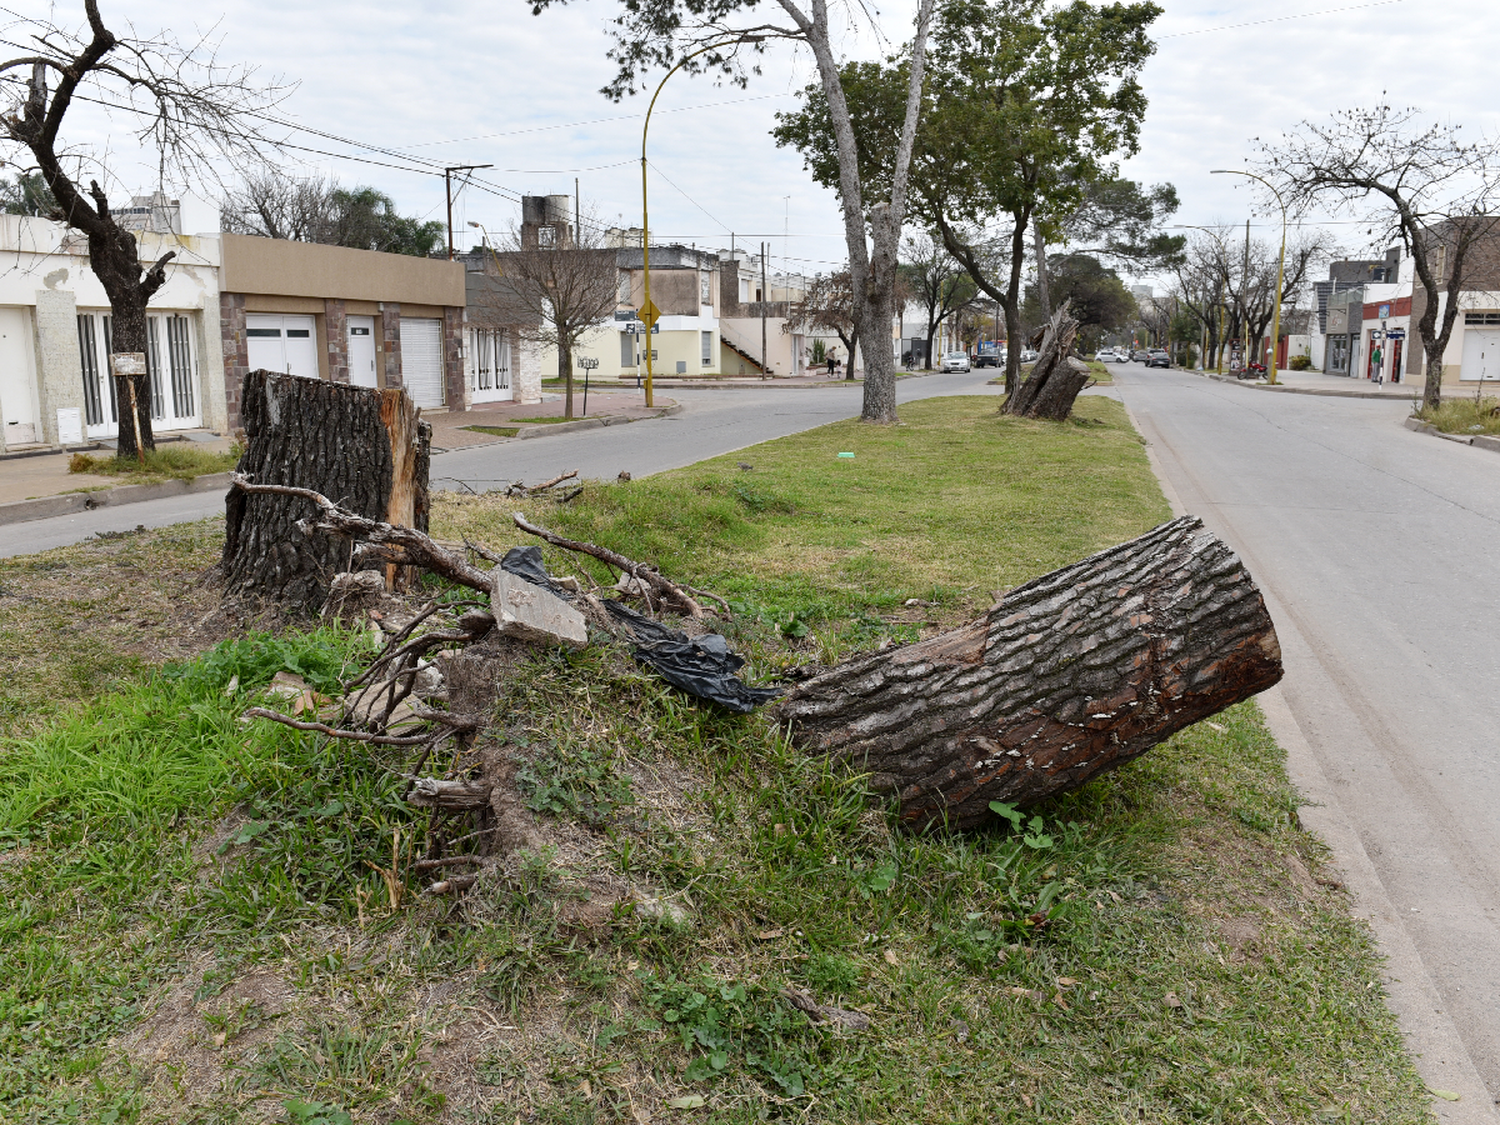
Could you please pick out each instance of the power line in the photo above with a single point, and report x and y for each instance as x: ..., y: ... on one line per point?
x: 1280, y: 19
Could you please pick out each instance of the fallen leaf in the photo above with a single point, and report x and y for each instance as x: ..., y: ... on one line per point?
x: 769, y: 935
x: 1066, y: 982
x: 890, y: 957
x: 588, y: 1091
x: 1057, y: 998
x: 1171, y: 1001
x: 1214, y: 726
x: 220, y: 1039
x: 687, y: 1101
x: 1446, y: 1095
x: 1029, y: 993
x: 1027, y: 1099
x: 233, y: 685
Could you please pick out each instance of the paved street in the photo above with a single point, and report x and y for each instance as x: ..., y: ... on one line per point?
x: 712, y: 422
x: 1376, y: 548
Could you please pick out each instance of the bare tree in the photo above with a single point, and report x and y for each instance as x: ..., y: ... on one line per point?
x: 707, y: 35
x: 272, y: 205
x: 936, y: 282
x: 827, y: 305
x: 1427, y: 188
x: 563, y: 288
x: 188, y: 108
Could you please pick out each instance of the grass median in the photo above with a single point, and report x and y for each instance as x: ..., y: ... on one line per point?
x: 212, y: 922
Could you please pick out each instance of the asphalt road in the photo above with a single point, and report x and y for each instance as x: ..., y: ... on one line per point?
x: 1376, y: 549
x: 711, y: 422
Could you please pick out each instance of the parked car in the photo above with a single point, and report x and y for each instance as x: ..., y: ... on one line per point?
x: 1158, y: 357
x: 1140, y: 355
x: 956, y: 361
x: 1028, y: 356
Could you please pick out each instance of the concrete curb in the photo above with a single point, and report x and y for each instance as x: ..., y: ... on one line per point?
x: 1282, y: 388
x: 1481, y: 441
x: 583, y: 424
x: 44, y: 507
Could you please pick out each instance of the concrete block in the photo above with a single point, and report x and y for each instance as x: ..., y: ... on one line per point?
x: 1487, y: 441
x: 530, y: 613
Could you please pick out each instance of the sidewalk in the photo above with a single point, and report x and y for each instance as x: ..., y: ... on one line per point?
x: 1318, y: 383
x: 37, y: 486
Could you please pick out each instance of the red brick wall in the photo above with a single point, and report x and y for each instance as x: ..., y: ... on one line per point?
x: 389, y: 363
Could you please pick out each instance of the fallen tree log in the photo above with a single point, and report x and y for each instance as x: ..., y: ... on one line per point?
x: 1069, y: 675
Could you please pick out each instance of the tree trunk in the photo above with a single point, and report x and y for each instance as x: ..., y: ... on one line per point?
x: 366, y: 449
x: 1056, y: 377
x: 1068, y: 676
x: 565, y: 371
x: 132, y: 393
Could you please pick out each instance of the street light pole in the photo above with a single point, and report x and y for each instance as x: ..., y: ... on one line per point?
x: 1280, y: 264
x: 645, y: 215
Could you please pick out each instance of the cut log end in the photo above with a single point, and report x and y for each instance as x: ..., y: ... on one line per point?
x: 1068, y: 676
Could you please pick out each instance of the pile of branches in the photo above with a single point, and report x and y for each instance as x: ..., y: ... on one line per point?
x: 404, y: 699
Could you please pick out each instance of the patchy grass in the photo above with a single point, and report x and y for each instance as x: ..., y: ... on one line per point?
x: 1471, y: 414
x: 77, y: 621
x: 168, y: 462
x: 496, y: 431
x: 214, y: 922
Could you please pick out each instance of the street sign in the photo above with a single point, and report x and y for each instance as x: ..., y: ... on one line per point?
x: 649, y: 313
x: 587, y: 362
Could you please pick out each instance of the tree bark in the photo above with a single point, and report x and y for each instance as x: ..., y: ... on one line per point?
x: 1056, y: 377
x: 366, y: 449
x: 1068, y: 676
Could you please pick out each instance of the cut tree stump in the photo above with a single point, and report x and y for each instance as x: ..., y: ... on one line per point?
x: 365, y: 449
x: 1056, y: 377
x: 1072, y: 674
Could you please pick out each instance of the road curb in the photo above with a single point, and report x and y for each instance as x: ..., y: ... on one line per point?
x: 1479, y: 441
x: 44, y: 507
x: 585, y: 423
x: 1282, y: 388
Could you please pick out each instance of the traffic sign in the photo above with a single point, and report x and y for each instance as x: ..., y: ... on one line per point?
x: 649, y: 313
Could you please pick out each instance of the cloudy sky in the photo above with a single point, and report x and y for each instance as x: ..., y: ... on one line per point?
x: 409, y: 87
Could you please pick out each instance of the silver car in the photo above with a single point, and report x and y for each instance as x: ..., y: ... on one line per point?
x: 955, y: 361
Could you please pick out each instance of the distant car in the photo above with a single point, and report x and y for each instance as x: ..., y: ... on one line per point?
x: 956, y: 361
x: 1158, y: 357
x: 1140, y: 355
x: 1028, y: 356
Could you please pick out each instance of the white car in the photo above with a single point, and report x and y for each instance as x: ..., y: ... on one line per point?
x: 955, y: 361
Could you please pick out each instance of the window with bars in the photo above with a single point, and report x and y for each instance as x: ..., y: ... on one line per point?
x: 489, y: 361
x: 1482, y: 318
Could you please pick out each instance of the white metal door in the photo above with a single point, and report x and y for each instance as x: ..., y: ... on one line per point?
x: 1481, y: 354
x: 489, y: 365
x: 19, y: 412
x: 282, y: 343
x: 362, y: 351
x: 422, y: 360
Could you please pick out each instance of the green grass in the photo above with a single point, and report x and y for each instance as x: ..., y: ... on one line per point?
x: 496, y: 431
x: 198, y: 929
x: 1464, y: 415
x: 167, y: 462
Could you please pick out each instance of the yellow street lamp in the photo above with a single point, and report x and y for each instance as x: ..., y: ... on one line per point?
x: 1280, y: 264
x: 648, y: 310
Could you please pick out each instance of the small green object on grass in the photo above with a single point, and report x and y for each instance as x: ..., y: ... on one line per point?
x: 846, y: 455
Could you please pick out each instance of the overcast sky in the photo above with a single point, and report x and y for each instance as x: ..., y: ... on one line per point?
x: 488, y: 83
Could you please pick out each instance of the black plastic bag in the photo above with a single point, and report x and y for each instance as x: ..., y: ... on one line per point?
x: 701, y: 666
x: 526, y: 562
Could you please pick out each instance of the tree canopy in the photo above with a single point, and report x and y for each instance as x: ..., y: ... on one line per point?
x: 1098, y: 298
x: 316, y: 210
x: 1025, y: 107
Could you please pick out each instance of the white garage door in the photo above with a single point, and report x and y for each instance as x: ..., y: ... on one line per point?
x: 282, y: 343
x: 1481, y: 354
x: 422, y: 360
x: 19, y: 412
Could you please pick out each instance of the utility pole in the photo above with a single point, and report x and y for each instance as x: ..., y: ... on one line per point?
x: 1245, y: 289
x: 577, y: 222
x: 448, y: 194
x: 764, y: 294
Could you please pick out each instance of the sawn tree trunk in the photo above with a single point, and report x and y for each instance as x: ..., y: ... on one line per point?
x: 1070, y: 675
x: 364, y: 449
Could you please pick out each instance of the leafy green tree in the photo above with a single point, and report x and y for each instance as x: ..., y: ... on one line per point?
x: 1098, y: 298
x: 1025, y: 105
x: 1119, y: 221
x: 367, y: 219
x: 27, y: 194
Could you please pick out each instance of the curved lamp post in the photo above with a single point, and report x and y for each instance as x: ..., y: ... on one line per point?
x: 645, y: 219
x: 1280, y: 264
